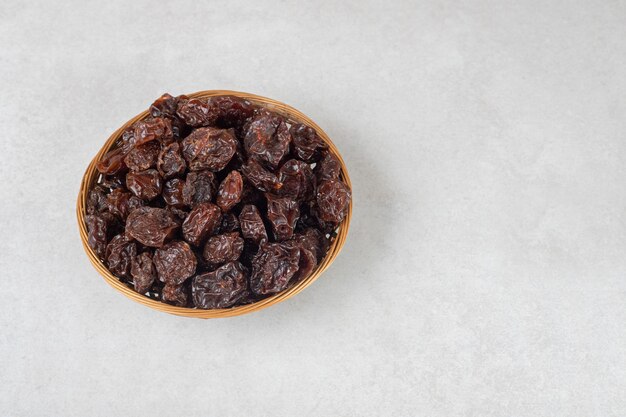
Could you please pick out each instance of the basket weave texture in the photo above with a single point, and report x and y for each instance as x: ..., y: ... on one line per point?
x: 91, y: 175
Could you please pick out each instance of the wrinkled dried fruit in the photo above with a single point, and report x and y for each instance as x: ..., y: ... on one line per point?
x: 151, y: 226
x: 97, y: 233
x: 230, y: 191
x: 306, y: 142
x: 146, y: 184
x: 221, y: 288
x: 297, y: 179
x: 267, y: 139
x: 199, y: 188
x: 173, y: 192
x: 174, y: 262
x: 201, y: 180
x: 260, y: 177
x: 164, y: 106
x: 223, y: 248
x: 158, y: 128
x: 142, y: 157
x: 170, y: 161
x: 209, y: 148
x: 112, y: 162
x: 333, y: 199
x: 119, y: 254
x: 143, y: 272
x: 174, y: 294
x: 251, y: 224
x: 201, y: 222
x: 97, y: 200
x: 283, y: 213
x: 328, y: 168
x: 273, y: 267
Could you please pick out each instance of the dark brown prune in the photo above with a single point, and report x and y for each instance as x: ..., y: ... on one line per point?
x: 313, y: 240
x: 251, y: 224
x: 201, y: 222
x: 118, y: 202
x: 119, y: 253
x: 174, y: 294
x: 173, y: 192
x: 297, y: 179
x: 221, y: 288
x: 112, y: 162
x: 142, y: 157
x: 306, y: 143
x: 164, y: 106
x: 230, y: 191
x: 96, y: 200
x: 146, y: 184
x: 283, y: 213
x: 230, y: 223
x: 328, y: 168
x: 267, y: 139
x: 151, y: 226
x: 223, y: 248
x: 158, y: 128
x: 333, y: 200
x: 260, y: 177
x: 143, y: 272
x: 97, y: 233
x: 197, y: 112
x: 209, y: 148
x: 231, y: 111
x: 170, y: 162
x: 199, y: 188
x: 273, y: 267
x: 174, y: 262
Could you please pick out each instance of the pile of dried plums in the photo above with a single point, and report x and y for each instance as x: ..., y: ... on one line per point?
x: 214, y: 202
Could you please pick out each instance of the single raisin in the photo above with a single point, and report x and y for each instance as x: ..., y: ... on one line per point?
x: 297, y: 179
x: 333, y: 200
x: 221, y: 288
x: 143, y: 272
x: 173, y: 192
x: 170, y: 162
x: 223, y: 248
x: 158, y: 128
x: 119, y: 254
x: 230, y: 223
x: 261, y: 178
x: 97, y: 200
x: 307, y: 144
x: 230, y: 190
x: 251, y: 224
x: 112, y: 162
x: 197, y: 112
x: 267, y: 139
x: 199, y: 188
x: 97, y: 233
x: 164, y: 106
x: 328, y: 168
x: 142, y: 157
x: 209, y: 148
x: 146, y: 184
x: 174, y: 294
x: 201, y: 222
x: 283, y: 213
x: 273, y: 267
x: 151, y: 226
x: 174, y: 262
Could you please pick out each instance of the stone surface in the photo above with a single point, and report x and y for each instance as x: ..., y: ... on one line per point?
x: 484, y: 271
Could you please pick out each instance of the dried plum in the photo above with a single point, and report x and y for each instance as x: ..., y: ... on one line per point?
x: 151, y: 226
x: 333, y: 199
x: 230, y: 191
x: 201, y: 222
x: 174, y: 262
x: 223, y: 248
x: 209, y: 148
x: 221, y: 288
x: 146, y: 184
x: 273, y: 267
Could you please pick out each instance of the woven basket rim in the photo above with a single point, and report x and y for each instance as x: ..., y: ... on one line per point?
x: 336, y: 245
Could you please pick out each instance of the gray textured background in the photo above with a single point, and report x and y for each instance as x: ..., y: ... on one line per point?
x: 484, y: 271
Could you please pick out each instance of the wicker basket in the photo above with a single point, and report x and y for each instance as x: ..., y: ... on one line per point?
x: 337, y: 243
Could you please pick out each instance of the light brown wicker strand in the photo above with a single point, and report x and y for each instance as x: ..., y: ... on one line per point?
x: 335, y: 247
